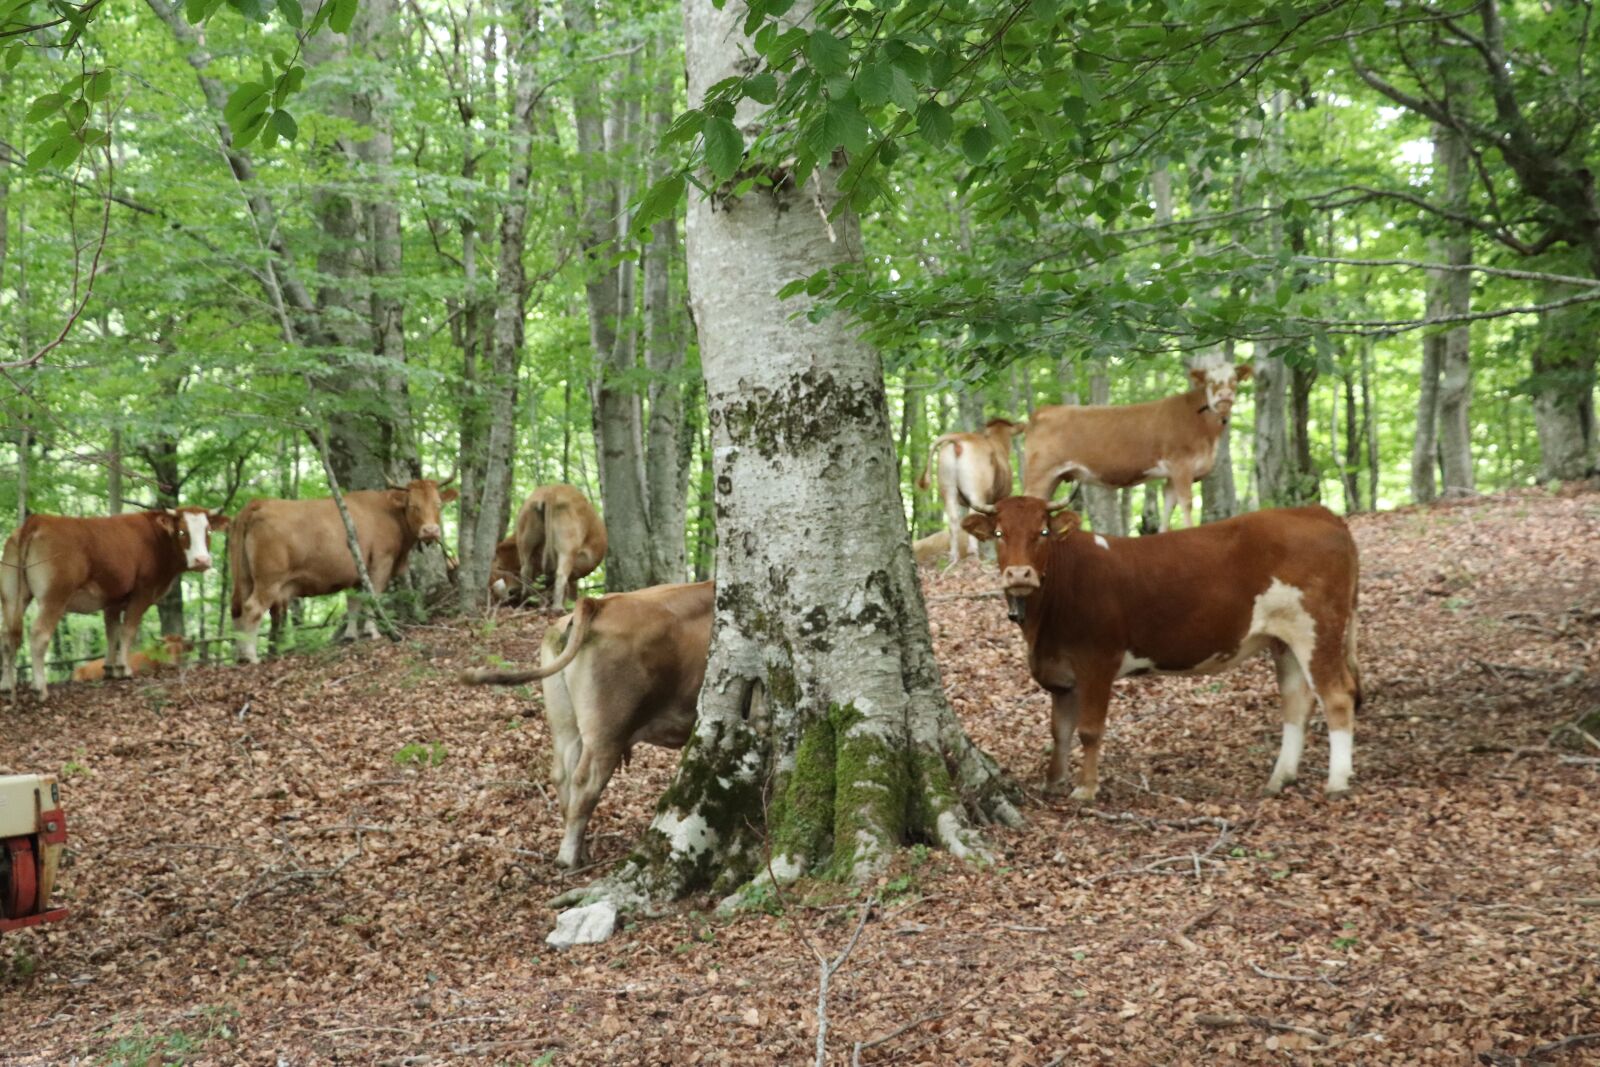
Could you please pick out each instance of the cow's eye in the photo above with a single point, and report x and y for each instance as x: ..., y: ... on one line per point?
x: 1045, y: 532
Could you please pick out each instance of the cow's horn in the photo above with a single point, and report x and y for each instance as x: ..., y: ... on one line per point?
x: 982, y: 509
x: 448, y: 480
x: 1052, y: 509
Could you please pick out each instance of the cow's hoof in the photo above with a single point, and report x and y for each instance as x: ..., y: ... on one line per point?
x: 1084, y: 795
x: 1056, y: 789
x: 1339, y: 793
x: 1274, y: 787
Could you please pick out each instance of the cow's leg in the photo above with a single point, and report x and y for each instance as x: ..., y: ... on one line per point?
x: 14, y: 597
x: 595, y: 766
x: 379, y: 573
x: 560, y: 587
x: 1094, y: 697
x: 247, y: 628
x: 1295, y: 690
x: 1336, y: 689
x: 1063, y: 725
x: 132, y: 615
x: 44, y: 626
x: 112, y: 617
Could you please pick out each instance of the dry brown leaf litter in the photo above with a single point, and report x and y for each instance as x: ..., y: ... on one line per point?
x: 255, y: 879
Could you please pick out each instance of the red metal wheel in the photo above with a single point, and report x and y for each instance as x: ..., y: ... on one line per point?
x: 19, y: 876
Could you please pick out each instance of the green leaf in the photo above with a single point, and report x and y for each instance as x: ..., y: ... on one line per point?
x: 14, y: 56
x: 292, y: 12
x: 245, y: 104
x: 343, y: 13
x: 934, y: 123
x: 660, y: 201
x: 77, y: 112
x: 197, y: 11
x: 686, y: 127
x: 45, y: 106
x: 724, y: 148
x: 98, y: 86
x: 283, y: 124
x: 250, y: 130
x: 873, y: 83
x: 976, y: 143
x: 827, y: 53
x: 997, y: 122
x: 847, y: 126
x: 902, y: 91
x: 762, y: 88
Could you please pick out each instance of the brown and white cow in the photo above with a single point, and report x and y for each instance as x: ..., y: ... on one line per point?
x: 1174, y: 438
x: 505, y: 575
x: 282, y: 549
x: 620, y: 670
x: 974, y: 468
x: 1094, y: 609
x: 117, y: 565
x: 561, y: 537
x: 170, y: 654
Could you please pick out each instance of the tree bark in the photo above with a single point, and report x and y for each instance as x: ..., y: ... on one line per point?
x: 1563, y: 392
x: 821, y: 677
x: 1425, y: 446
x: 1274, y: 475
x: 1219, y: 495
x: 1450, y: 292
x: 1102, y: 504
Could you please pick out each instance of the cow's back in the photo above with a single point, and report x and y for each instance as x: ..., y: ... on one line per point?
x: 572, y: 527
x: 1119, y: 445
x: 92, y: 562
x: 297, y: 544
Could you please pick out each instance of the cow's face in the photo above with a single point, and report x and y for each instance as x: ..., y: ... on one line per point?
x: 1221, y: 383
x: 422, y: 501
x: 1021, y: 526
x: 191, y: 528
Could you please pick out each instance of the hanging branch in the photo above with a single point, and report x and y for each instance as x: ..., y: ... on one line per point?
x: 319, y: 437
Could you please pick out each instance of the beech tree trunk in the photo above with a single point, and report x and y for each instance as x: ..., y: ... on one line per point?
x: 1274, y: 474
x: 821, y: 685
x: 1425, y: 446
x: 1450, y: 293
x: 1563, y: 391
x: 1103, y: 505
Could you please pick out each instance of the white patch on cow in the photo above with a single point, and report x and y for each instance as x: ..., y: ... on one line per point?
x: 1281, y: 612
x: 1102, y: 542
x: 1288, y: 766
x: 689, y: 836
x: 1341, y: 753
x: 1160, y: 470
x: 1073, y: 469
x: 499, y: 587
x: 1132, y: 664
x: 198, y: 554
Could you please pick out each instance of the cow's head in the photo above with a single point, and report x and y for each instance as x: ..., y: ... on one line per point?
x: 191, y: 528
x: 421, y: 501
x: 1221, y: 382
x: 1022, y: 527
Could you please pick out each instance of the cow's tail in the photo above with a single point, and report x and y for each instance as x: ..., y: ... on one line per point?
x: 582, y: 617
x: 551, y: 554
x: 933, y: 452
x: 1351, y: 658
x: 239, y: 559
x: 14, y: 591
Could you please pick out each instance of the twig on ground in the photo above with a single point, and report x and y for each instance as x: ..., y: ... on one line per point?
x: 1206, y: 1019
x: 826, y: 972
x: 986, y: 595
x: 862, y: 1046
x: 1180, y: 936
x: 1565, y: 1042
x: 1290, y: 977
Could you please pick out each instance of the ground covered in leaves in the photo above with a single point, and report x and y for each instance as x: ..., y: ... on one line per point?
x: 345, y: 858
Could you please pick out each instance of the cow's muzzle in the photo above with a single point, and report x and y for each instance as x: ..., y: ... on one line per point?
x: 430, y: 534
x: 200, y: 563
x: 1019, y: 583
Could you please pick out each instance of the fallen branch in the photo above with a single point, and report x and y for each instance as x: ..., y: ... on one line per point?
x: 826, y: 972
x: 1566, y: 1042
x: 1264, y: 1023
x: 1180, y: 936
x: 862, y: 1046
x: 1290, y: 977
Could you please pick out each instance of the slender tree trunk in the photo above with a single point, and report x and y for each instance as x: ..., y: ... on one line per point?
x: 1451, y: 293
x: 1219, y: 494
x: 1369, y: 422
x: 114, y: 498
x: 1102, y: 504
x: 1425, y: 446
x: 969, y: 409
x: 1352, y: 444
x: 821, y: 677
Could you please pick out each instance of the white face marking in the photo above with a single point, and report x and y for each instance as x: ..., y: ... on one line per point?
x: 1132, y: 664
x: 1102, y: 542
x: 1280, y: 612
x: 1341, y: 750
x: 1221, y: 385
x: 197, y: 557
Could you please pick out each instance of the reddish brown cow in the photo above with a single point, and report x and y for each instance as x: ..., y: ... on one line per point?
x: 620, y: 670
x: 173, y: 647
x: 1094, y: 609
x: 560, y: 536
x: 974, y: 468
x: 118, y: 565
x: 282, y: 549
x: 1175, y: 438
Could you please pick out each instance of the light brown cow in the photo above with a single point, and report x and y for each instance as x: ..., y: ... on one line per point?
x: 928, y: 551
x: 974, y: 468
x: 282, y: 549
x: 505, y: 575
x: 1094, y: 609
x: 559, y: 536
x: 619, y: 670
x: 117, y: 565
x: 170, y: 654
x: 1174, y: 438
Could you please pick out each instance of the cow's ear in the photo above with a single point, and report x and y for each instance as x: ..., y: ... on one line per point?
x: 1197, y: 375
x: 167, y: 519
x: 1065, y: 522
x: 1244, y: 372
x: 398, y: 498
x: 217, y: 520
x: 449, y: 495
x: 979, y: 525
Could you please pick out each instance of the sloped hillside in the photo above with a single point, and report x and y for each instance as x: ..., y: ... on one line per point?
x: 344, y: 858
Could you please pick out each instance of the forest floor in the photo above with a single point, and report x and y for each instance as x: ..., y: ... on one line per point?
x: 342, y: 858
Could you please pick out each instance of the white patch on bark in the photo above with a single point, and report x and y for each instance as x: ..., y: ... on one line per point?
x: 689, y: 835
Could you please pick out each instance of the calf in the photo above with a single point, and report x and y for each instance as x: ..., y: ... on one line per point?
x: 173, y: 646
x: 1094, y: 609
x: 974, y: 468
x: 929, y: 550
x: 619, y: 670
x: 1175, y: 438
x: 560, y: 536
x: 117, y: 565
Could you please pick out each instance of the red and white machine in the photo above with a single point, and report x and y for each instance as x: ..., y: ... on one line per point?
x: 33, y: 837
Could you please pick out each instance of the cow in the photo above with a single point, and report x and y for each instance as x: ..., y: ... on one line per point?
x: 928, y: 551
x: 617, y: 671
x: 282, y: 549
x: 559, y: 536
x: 505, y: 575
x: 1174, y: 438
x: 1094, y: 609
x: 173, y: 647
x: 974, y: 468
x: 117, y: 565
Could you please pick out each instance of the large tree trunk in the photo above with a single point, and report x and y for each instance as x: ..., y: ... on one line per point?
x: 511, y: 293
x: 1563, y: 391
x: 1426, y: 443
x: 1450, y: 293
x: 666, y: 457
x: 1274, y: 473
x: 1103, y: 505
x: 821, y: 679
x: 1219, y: 496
